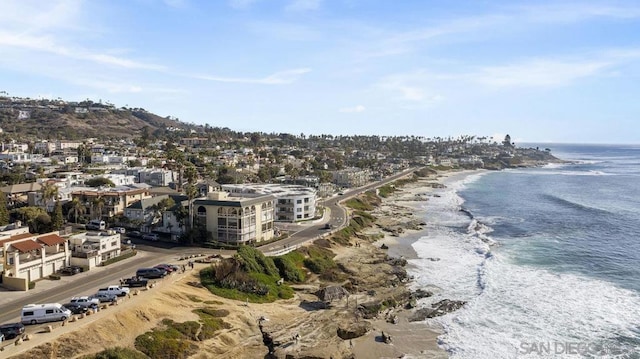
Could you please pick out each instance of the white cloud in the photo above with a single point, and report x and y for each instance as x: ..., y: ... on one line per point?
x: 413, y: 87
x: 278, y: 78
x: 303, y: 5
x: 539, y: 73
x: 354, y: 109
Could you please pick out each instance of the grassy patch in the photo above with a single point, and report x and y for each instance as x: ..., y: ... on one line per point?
x: 165, y: 342
x: 211, y: 322
x: 117, y: 353
x: 173, y: 340
x: 194, y: 298
x: 213, y: 302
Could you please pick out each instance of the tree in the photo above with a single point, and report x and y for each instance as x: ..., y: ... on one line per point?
x: 57, y: 219
x: 4, y: 212
x: 78, y: 208
x: 99, y: 182
x: 98, y: 204
x: 49, y: 192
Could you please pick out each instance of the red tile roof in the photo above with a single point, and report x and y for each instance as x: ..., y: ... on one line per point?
x: 51, y: 239
x: 26, y: 246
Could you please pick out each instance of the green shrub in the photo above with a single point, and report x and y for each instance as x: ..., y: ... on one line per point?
x: 165, y: 343
x: 211, y: 322
x: 288, y: 269
x: 117, y: 353
x: 32, y: 285
x: 119, y: 258
x: 253, y: 261
x: 54, y: 276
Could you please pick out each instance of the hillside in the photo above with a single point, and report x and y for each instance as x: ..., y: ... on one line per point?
x: 58, y: 119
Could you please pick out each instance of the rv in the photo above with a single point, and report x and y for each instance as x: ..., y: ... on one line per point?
x: 96, y: 224
x: 40, y: 313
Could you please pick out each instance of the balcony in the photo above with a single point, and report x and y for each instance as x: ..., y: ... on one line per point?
x: 89, y: 254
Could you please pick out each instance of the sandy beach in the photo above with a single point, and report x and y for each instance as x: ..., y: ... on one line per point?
x: 298, y: 325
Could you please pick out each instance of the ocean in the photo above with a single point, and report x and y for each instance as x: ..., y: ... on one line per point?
x: 547, y: 258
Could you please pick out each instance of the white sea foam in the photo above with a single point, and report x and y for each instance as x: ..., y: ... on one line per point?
x: 511, y: 306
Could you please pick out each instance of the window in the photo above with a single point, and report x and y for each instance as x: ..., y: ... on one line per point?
x: 49, y: 311
x: 298, y: 209
x: 27, y: 313
x: 306, y: 200
x: 299, y: 201
x: 104, y: 246
x: 299, y: 216
x: 114, y: 243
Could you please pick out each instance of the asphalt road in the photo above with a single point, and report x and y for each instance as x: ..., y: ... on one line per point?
x: 83, y: 284
x: 337, y: 220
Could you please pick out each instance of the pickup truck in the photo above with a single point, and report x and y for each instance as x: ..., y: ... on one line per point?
x: 115, y: 290
x: 135, y: 282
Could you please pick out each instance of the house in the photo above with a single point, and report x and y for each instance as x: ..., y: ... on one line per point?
x: 28, y: 257
x: 90, y: 249
x: 145, y: 213
x: 17, y: 194
x: 237, y: 218
x: 352, y: 177
x: 110, y: 201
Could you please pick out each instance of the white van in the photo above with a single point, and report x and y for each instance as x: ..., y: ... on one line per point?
x: 96, y: 224
x: 40, y: 313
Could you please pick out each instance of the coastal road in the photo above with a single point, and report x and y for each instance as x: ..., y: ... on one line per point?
x: 338, y: 216
x: 87, y: 283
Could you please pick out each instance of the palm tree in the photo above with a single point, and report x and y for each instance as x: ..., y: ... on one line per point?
x: 49, y: 193
x: 98, y: 205
x: 78, y: 208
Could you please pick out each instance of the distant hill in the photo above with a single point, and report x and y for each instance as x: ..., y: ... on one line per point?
x: 44, y: 119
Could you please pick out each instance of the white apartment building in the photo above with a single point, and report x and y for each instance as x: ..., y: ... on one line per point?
x: 90, y: 249
x: 293, y: 202
x: 238, y: 218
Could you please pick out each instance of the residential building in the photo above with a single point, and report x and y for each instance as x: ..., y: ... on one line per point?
x: 352, y: 177
x: 145, y: 213
x: 28, y: 257
x: 293, y: 203
x: 237, y: 218
x: 90, y: 249
x: 110, y: 201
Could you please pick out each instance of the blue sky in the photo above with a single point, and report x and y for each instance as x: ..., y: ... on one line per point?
x: 541, y: 71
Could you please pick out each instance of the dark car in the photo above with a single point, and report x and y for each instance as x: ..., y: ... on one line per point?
x: 76, y: 308
x: 12, y: 330
x: 150, y: 273
x: 71, y: 270
x: 134, y: 234
x: 167, y: 268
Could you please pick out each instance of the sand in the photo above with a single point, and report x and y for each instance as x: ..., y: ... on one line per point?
x: 176, y: 297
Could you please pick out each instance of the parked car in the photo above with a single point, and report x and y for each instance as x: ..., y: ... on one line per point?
x: 134, y: 234
x: 105, y: 297
x: 71, y: 270
x: 76, y: 308
x: 12, y: 330
x: 135, y: 282
x: 120, y: 230
x: 150, y: 273
x: 115, y: 290
x: 165, y: 267
x: 327, y: 226
x: 150, y: 237
x: 85, y: 300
